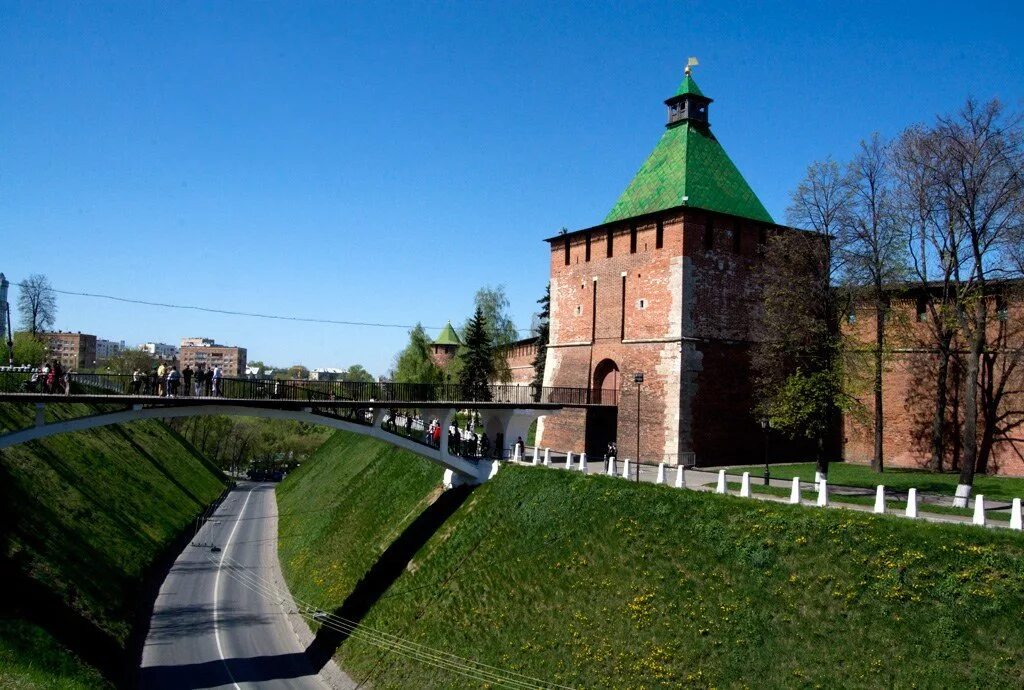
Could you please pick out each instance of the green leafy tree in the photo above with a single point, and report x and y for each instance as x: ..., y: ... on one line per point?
x: 477, y: 359
x: 127, y: 361
x: 800, y: 349
x: 357, y: 373
x: 297, y: 371
x: 414, y: 364
x: 543, y: 331
x: 28, y: 350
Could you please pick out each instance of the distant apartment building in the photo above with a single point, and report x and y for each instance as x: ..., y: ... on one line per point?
x: 206, y: 353
x: 160, y: 350
x: 73, y: 350
x: 105, y: 349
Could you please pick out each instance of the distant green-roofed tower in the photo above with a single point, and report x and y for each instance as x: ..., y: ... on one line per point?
x: 448, y: 336
x: 445, y: 345
x: 688, y: 167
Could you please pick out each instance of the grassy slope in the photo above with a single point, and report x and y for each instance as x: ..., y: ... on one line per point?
x: 597, y: 582
x: 31, y: 658
x: 847, y: 474
x: 351, y: 500
x: 86, y: 513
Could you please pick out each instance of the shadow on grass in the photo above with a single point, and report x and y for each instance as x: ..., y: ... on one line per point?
x: 379, y: 578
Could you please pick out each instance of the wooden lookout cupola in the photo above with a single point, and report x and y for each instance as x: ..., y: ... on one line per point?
x: 688, y: 104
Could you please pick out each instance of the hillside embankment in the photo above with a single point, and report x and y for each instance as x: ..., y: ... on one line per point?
x: 599, y: 582
x: 89, y: 520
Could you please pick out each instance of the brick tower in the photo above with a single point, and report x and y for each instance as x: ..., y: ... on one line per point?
x: 445, y: 346
x: 666, y: 286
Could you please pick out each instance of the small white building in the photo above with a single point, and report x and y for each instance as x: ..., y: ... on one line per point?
x: 160, y: 350
x: 326, y: 374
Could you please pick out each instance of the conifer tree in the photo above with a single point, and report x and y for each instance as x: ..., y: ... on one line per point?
x: 543, y: 334
x: 477, y: 359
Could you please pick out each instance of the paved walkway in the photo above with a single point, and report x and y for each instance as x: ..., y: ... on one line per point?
x: 706, y: 479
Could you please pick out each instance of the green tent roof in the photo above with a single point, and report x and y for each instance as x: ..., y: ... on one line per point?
x: 689, y: 87
x: 447, y: 336
x: 689, y: 162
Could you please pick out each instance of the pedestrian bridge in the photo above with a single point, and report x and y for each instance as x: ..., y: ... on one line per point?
x: 370, y: 409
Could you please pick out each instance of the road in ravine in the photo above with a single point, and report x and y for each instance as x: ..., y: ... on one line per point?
x: 214, y: 624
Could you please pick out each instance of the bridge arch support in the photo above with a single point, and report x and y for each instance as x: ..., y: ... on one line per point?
x: 458, y: 470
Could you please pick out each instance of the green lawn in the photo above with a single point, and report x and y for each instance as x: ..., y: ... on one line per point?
x: 86, y: 514
x: 597, y: 582
x: 846, y: 474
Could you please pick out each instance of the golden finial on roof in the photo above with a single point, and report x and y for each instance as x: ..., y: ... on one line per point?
x: 690, y: 62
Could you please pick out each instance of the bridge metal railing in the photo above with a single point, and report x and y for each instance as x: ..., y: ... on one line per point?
x: 21, y: 381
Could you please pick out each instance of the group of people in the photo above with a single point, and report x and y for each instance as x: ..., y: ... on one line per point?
x: 460, y: 442
x: 50, y: 378
x: 166, y: 381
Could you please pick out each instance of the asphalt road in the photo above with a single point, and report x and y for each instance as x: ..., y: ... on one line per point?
x: 211, y: 630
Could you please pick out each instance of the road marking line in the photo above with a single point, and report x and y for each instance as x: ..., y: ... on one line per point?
x: 216, y: 588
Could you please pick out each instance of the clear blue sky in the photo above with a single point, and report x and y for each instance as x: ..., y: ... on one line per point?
x: 381, y: 161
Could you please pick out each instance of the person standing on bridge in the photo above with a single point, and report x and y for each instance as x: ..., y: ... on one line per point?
x: 136, y: 381
x: 186, y: 377
x: 173, y: 377
x: 161, y: 377
x: 217, y: 375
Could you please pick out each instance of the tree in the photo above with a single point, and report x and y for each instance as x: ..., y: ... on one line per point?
x: 979, y: 172
x: 477, y: 359
x: 933, y: 237
x: 127, y: 361
x: 297, y: 371
x: 501, y: 331
x: 357, y: 373
x: 37, y: 304
x: 414, y: 363
x: 28, y: 350
x: 543, y: 333
x: 800, y: 348
x: 874, y: 252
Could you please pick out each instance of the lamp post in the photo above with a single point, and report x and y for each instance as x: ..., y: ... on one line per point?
x: 638, y: 378
x: 765, y: 425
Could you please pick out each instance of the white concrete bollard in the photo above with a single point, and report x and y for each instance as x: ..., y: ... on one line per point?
x: 680, y: 480
x: 625, y: 468
x: 912, y: 503
x: 1015, y: 516
x: 879, y: 500
x: 822, y: 493
x: 745, y: 485
x: 661, y: 474
x: 979, y: 511
x: 818, y: 477
x: 611, y: 466
x: 583, y: 463
x: 794, y: 493
x: 568, y: 460
x: 720, y: 488
x: 547, y: 456
x: 535, y: 459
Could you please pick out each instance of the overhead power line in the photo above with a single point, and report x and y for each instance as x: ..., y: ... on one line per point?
x: 254, y: 315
